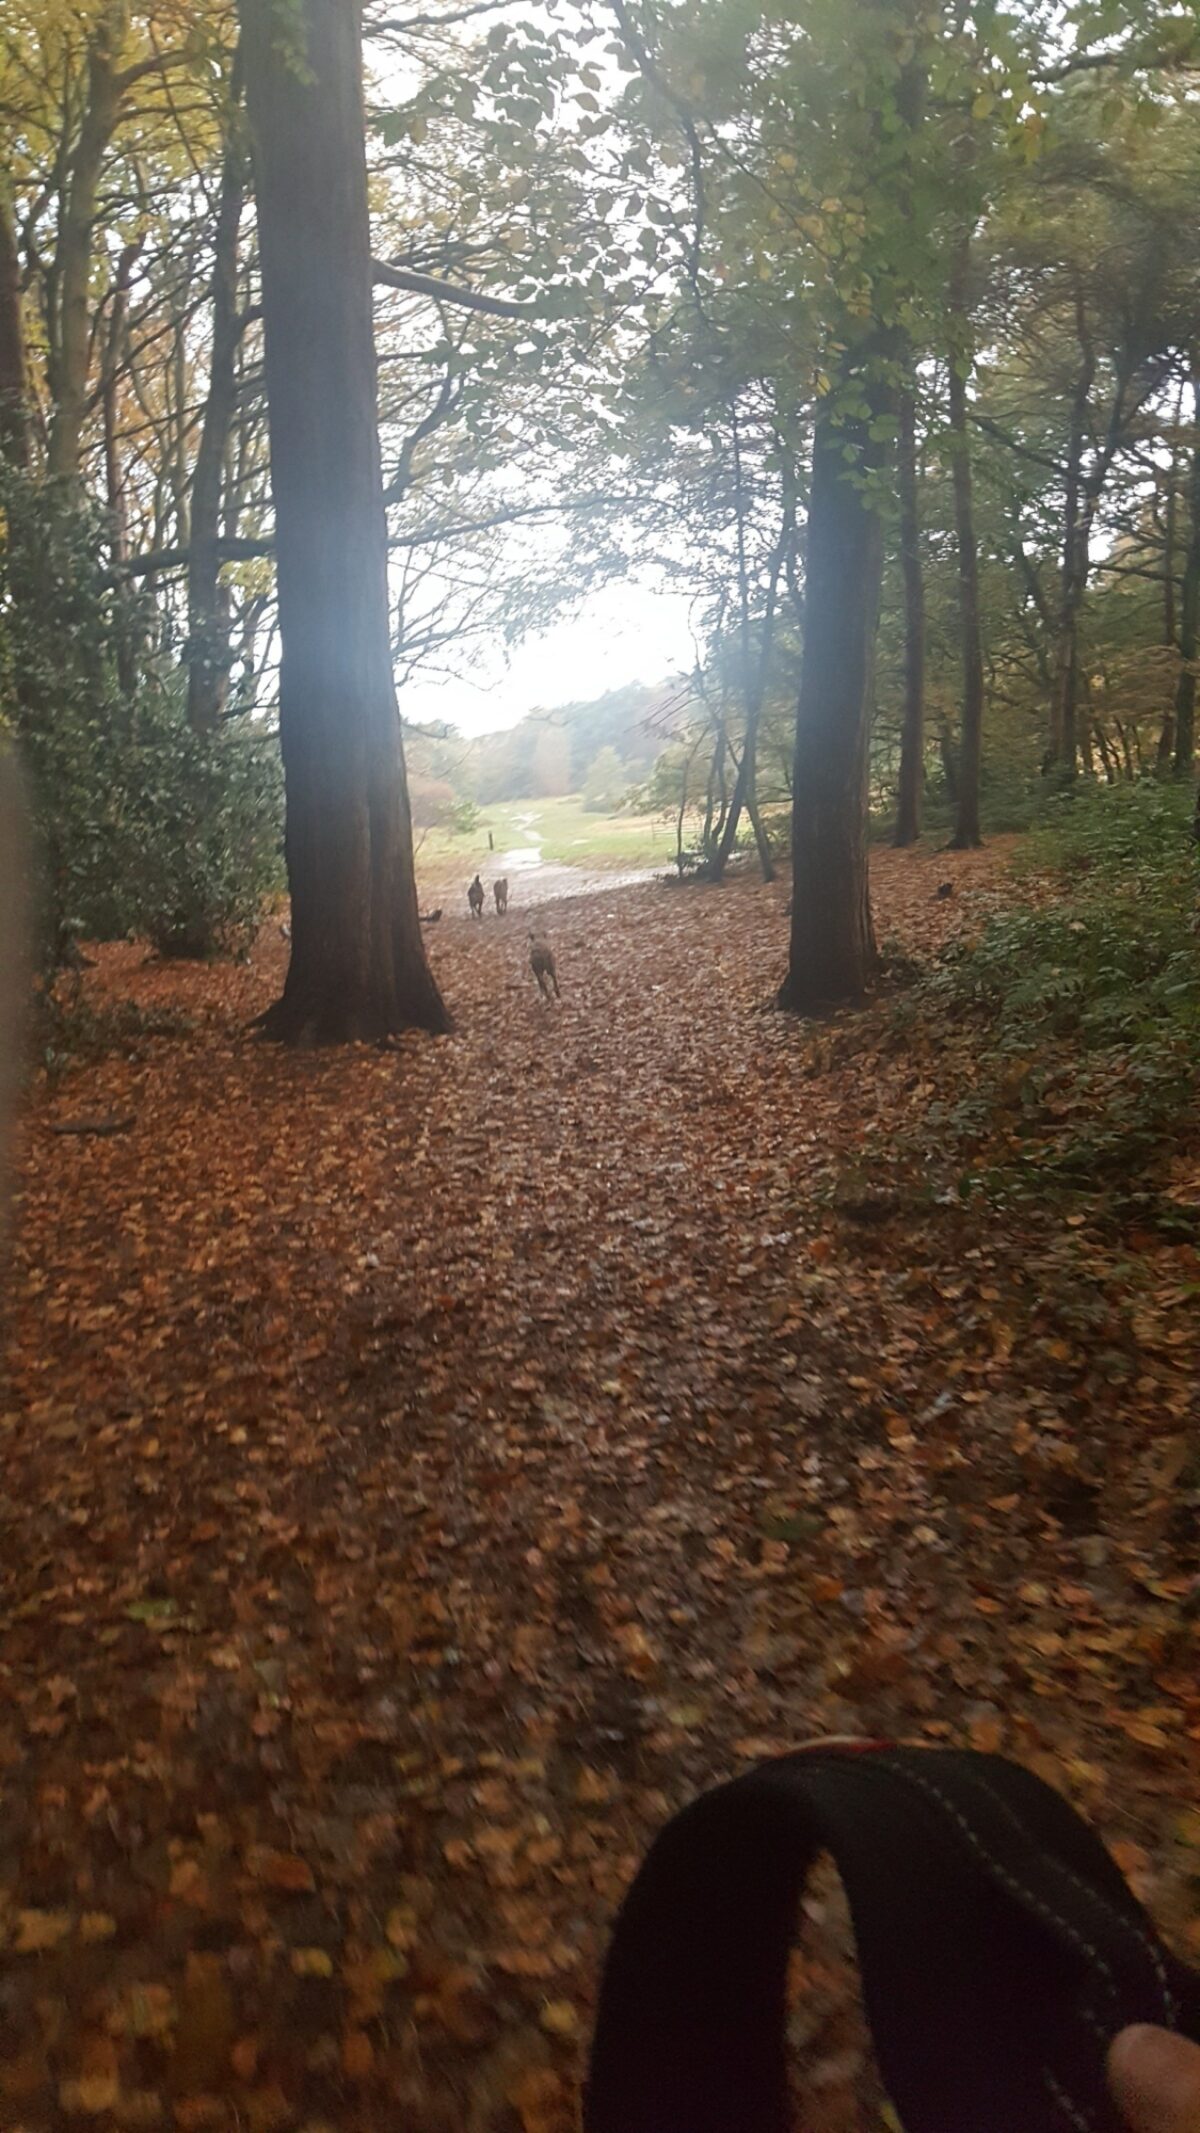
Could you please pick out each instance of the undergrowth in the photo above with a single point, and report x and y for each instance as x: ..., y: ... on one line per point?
x: 69, y: 1030
x: 1078, y: 1009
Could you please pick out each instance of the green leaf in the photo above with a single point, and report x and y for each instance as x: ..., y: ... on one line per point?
x: 150, y: 1611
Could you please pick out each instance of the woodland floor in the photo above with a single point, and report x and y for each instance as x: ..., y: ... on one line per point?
x: 424, y: 1470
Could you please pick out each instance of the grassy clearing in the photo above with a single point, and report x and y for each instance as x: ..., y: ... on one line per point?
x: 564, y: 834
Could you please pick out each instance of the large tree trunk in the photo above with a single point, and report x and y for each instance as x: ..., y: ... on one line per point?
x: 1189, y: 604
x: 912, y: 739
x: 358, y: 966
x: 14, y: 413
x: 69, y: 367
x: 832, y: 947
x: 967, y: 832
x: 208, y: 655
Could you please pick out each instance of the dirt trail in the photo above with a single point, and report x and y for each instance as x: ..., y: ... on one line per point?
x: 423, y: 1469
x: 550, y: 881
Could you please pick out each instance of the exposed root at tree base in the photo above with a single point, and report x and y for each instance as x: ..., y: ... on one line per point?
x: 306, y: 1024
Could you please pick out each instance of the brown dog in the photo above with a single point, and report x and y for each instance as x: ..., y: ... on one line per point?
x: 541, y: 962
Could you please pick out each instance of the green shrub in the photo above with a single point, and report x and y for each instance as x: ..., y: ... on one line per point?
x: 1087, y: 1006
x: 1008, y: 803
x: 202, y: 843
x: 141, y: 825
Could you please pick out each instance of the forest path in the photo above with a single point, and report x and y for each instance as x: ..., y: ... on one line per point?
x: 423, y: 1469
x: 542, y: 881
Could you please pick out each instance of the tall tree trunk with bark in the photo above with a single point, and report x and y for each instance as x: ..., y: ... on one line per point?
x: 208, y: 654
x: 69, y: 365
x: 832, y: 948
x: 358, y: 966
x: 967, y: 832
x: 1189, y: 604
x: 912, y: 739
x: 14, y: 413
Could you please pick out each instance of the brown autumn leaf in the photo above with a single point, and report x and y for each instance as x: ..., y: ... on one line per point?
x: 281, y: 1870
x: 243, y: 2058
x: 358, y: 2055
x: 539, y: 2097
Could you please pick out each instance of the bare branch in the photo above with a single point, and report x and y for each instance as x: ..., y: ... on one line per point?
x: 446, y: 292
x: 441, y: 411
x: 1182, y: 57
x: 156, y: 64
x: 401, y: 25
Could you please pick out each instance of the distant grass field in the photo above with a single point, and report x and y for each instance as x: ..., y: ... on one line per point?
x: 563, y: 833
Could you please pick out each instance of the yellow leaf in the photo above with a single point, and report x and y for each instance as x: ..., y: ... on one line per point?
x: 312, y: 1962
x: 96, y: 1925
x: 560, y: 2018
x: 38, y: 1930
x: 1145, y: 1733
x: 93, y: 2094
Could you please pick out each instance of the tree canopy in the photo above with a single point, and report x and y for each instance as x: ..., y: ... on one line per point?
x: 658, y: 296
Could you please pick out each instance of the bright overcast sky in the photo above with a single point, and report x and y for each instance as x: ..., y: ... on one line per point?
x: 623, y: 633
